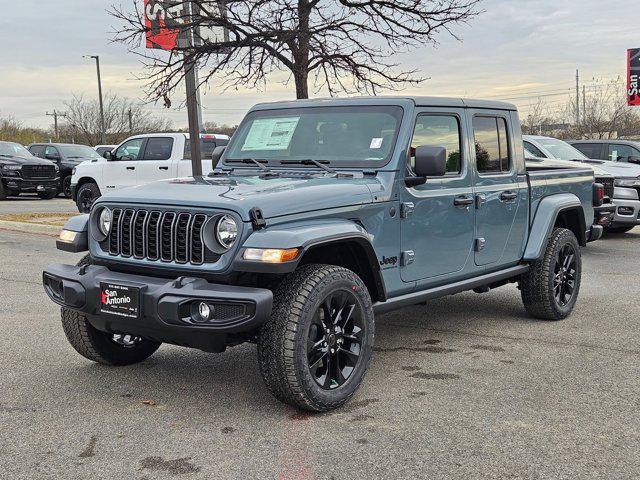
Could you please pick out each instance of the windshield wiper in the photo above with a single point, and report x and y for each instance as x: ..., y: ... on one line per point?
x: 309, y: 161
x: 259, y: 163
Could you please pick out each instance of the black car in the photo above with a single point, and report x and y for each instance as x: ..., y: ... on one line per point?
x: 66, y: 156
x: 21, y: 172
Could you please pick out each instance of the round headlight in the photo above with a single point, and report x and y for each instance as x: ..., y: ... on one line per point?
x: 226, y: 231
x: 104, y: 221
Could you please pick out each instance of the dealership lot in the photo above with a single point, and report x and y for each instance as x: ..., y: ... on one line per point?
x: 467, y: 386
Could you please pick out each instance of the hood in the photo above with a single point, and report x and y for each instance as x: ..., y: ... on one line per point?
x: 275, y: 196
x: 24, y: 161
x: 617, y: 169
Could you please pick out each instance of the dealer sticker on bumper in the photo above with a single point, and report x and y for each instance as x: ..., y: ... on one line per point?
x: 119, y: 300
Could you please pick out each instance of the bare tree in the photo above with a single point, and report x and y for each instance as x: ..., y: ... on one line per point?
x: 122, y: 117
x: 538, y: 119
x: 604, y: 112
x: 341, y: 46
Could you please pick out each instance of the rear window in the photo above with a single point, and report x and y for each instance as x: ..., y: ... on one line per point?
x: 207, y: 146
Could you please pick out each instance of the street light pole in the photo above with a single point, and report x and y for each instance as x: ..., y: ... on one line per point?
x: 97, y: 59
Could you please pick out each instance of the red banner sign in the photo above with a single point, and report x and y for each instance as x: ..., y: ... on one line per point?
x: 163, y: 29
x: 633, y: 76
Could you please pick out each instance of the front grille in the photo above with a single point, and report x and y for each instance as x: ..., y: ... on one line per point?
x: 39, y: 171
x: 153, y: 235
x: 608, y: 185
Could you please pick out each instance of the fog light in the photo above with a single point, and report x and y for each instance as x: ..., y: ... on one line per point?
x: 204, y: 311
x: 625, y: 210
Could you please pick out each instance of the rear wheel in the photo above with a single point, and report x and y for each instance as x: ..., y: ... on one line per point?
x: 314, y: 351
x: 87, y: 194
x: 550, y: 288
x: 101, y: 347
x: 618, y: 228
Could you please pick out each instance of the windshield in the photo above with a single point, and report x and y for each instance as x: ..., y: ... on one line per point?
x: 79, y: 151
x: 561, y: 150
x: 10, y: 149
x: 346, y: 136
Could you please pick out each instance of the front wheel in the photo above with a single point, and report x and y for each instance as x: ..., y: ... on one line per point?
x: 87, y: 194
x: 66, y: 186
x: 550, y: 288
x: 314, y: 351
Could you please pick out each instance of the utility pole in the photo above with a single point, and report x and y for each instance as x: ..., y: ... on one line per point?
x: 130, y: 122
x: 194, y: 114
x: 97, y: 59
x: 577, y: 98
x: 55, y: 116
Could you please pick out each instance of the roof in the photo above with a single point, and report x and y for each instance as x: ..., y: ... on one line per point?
x: 619, y: 141
x: 419, y: 101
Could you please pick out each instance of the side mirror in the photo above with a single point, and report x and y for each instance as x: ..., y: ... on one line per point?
x: 430, y: 162
x: 107, y: 154
x: 633, y: 159
x: 217, y: 155
x: 52, y: 156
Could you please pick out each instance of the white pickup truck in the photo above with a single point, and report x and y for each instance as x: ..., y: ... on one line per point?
x: 138, y: 160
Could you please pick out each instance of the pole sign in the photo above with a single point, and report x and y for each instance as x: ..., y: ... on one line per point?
x: 633, y: 76
x: 164, y: 21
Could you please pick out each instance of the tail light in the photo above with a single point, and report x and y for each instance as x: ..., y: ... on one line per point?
x: 598, y: 194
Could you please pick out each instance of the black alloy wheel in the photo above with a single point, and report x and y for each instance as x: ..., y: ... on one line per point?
x: 66, y: 186
x: 564, y: 280
x: 334, y: 340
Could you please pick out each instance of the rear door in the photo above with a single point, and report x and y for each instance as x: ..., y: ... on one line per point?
x: 438, y: 216
x: 121, y: 169
x: 498, y: 193
x: 156, y: 162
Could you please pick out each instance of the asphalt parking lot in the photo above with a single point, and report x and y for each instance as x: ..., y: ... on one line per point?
x: 465, y: 387
x: 31, y: 203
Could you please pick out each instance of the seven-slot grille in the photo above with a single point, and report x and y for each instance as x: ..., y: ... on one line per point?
x: 608, y: 185
x: 39, y: 171
x: 157, y: 235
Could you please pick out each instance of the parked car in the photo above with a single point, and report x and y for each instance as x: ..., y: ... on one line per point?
x: 603, y: 214
x: 102, y: 149
x: 21, y: 172
x: 627, y: 178
x: 319, y: 215
x: 613, y: 150
x: 67, y: 156
x: 138, y: 160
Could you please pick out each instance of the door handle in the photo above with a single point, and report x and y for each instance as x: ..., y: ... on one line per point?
x: 508, y: 196
x: 463, y: 201
x: 131, y: 168
x: 163, y: 168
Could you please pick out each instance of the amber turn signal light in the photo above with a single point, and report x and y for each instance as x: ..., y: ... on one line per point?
x: 270, y: 255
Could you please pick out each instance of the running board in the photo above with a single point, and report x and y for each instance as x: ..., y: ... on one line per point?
x: 457, y: 287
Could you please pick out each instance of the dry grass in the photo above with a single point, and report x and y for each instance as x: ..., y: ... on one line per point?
x: 45, y: 218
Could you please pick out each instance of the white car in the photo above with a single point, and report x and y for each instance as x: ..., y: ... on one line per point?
x: 138, y: 160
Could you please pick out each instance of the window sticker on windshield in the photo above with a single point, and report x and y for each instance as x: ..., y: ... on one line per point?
x: 270, y: 134
x: 376, y: 143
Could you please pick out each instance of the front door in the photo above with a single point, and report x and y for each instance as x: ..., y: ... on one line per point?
x: 120, y: 170
x: 497, y: 190
x: 438, y: 216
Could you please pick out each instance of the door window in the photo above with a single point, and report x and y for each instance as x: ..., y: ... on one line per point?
x: 37, y: 150
x: 621, y: 153
x: 51, y: 152
x: 590, y: 150
x: 438, y: 131
x: 158, y: 148
x: 129, y: 151
x: 534, y: 150
x: 491, y: 144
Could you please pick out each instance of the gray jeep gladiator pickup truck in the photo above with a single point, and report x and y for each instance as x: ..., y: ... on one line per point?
x: 318, y: 215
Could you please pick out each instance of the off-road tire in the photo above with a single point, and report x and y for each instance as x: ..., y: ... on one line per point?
x: 282, y: 339
x: 65, y: 187
x: 46, y: 195
x: 617, y: 229
x: 89, y: 189
x: 98, y: 346
x: 536, y: 286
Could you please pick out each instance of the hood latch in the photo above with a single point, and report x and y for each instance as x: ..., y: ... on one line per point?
x: 257, y: 220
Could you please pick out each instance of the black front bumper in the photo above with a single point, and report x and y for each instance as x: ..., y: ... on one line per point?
x: 166, y: 306
x: 24, y: 185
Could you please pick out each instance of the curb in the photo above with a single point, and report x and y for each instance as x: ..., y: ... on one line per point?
x: 30, y: 227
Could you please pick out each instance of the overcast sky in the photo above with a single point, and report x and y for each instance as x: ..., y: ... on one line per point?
x: 515, y: 48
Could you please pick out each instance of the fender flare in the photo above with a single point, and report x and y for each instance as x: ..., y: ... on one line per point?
x: 80, y: 225
x: 545, y: 218
x: 307, y: 235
